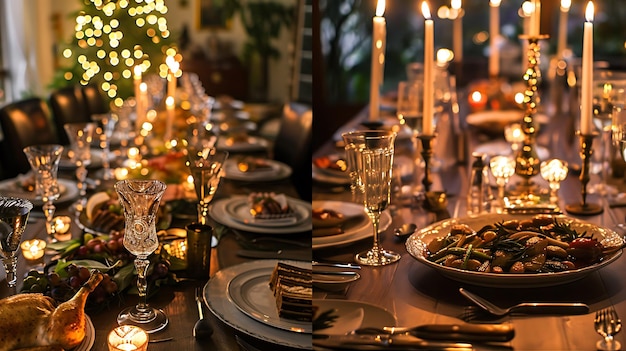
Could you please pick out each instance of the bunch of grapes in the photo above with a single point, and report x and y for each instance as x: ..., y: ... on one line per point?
x: 113, y: 247
x: 62, y: 288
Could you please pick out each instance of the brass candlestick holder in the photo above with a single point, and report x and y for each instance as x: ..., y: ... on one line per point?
x: 527, y: 161
x: 427, y: 154
x: 584, y: 208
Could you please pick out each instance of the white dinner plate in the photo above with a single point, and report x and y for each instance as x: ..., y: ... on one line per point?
x: 324, y: 177
x: 372, y: 317
x: 90, y: 336
x: 67, y: 188
x: 219, y: 212
x: 356, y: 232
x: 417, y: 243
x: 277, y: 170
x: 239, y: 210
x: 251, y: 293
x: 250, y: 145
x: 217, y: 299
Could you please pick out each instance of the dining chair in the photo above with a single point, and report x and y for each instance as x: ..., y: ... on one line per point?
x: 292, y: 145
x: 68, y: 106
x: 94, y: 99
x: 24, y: 123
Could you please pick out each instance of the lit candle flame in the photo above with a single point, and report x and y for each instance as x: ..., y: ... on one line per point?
x: 425, y: 10
x: 137, y: 70
x: 565, y: 5
x: 495, y: 3
x: 143, y: 87
x: 380, y: 8
x: 455, y: 4
x: 528, y: 8
x: 589, y: 12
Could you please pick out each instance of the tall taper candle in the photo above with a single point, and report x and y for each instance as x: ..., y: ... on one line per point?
x: 562, y: 42
x: 379, y: 33
x: 457, y: 30
x: 586, y: 94
x: 494, y: 33
x: 173, y: 66
x: 535, y: 18
x: 170, y: 108
x: 429, y: 80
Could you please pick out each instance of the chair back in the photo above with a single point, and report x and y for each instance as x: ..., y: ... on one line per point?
x: 24, y: 123
x: 94, y: 99
x: 292, y: 145
x: 68, y: 106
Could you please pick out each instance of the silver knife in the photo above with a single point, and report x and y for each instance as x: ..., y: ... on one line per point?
x: 302, y: 255
x: 384, y: 342
x: 450, y: 332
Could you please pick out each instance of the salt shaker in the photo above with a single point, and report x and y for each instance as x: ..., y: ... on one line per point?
x: 479, y: 194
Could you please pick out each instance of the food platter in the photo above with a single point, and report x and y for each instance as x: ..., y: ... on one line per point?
x: 416, y: 246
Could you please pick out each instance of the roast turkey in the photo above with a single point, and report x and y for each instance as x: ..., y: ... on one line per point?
x: 34, y: 322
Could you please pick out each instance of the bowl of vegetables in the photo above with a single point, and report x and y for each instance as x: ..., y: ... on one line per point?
x: 507, y: 250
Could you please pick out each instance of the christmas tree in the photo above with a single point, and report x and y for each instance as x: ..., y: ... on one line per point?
x: 111, y: 38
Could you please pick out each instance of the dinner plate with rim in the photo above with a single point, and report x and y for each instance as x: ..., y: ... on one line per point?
x: 239, y: 210
x: 90, y: 336
x: 249, y: 145
x: 219, y: 213
x: 373, y: 316
x: 416, y: 246
x: 359, y: 230
x: 67, y: 188
x: 216, y: 296
x: 322, y: 177
x: 250, y: 292
x: 277, y: 170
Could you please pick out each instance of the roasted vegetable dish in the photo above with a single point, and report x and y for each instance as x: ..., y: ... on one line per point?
x: 540, y: 244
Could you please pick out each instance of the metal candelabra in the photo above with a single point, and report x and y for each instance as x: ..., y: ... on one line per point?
x: 586, y: 150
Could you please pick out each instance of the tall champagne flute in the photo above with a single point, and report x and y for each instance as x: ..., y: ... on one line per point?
x: 375, y: 161
x: 106, y: 126
x: 81, y: 136
x: 206, y: 169
x: 140, y: 201
x: 44, y: 161
x: 13, y: 218
x: 410, y: 109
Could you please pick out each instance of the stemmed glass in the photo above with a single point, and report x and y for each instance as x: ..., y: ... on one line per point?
x: 13, y: 218
x: 206, y: 169
x: 80, y: 135
x: 374, y: 165
x: 140, y: 201
x: 44, y: 160
x: 502, y: 168
x: 410, y: 112
x: 354, y: 141
x: 554, y: 171
x: 106, y: 126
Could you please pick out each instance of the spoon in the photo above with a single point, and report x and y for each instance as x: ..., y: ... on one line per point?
x: 202, y: 329
x: 405, y: 230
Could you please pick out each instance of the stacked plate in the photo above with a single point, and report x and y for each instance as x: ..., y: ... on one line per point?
x: 249, y: 144
x: 12, y: 187
x: 274, y: 171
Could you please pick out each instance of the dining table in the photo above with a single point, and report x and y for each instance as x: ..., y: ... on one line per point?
x: 411, y: 293
x: 231, y: 330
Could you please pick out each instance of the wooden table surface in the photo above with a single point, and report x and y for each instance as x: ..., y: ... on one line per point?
x: 416, y: 294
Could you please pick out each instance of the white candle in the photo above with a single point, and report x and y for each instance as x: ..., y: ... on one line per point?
x: 527, y: 10
x: 169, y: 105
x: 535, y: 19
x: 379, y: 33
x: 494, y: 33
x: 457, y: 30
x: 137, y: 80
x: 429, y: 81
x: 173, y: 66
x: 562, y: 42
x: 586, y: 107
x: 142, y: 105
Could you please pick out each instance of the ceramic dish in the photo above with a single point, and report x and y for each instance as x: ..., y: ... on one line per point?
x: 416, y: 246
x: 277, y: 170
x: 334, y: 282
x: 216, y: 297
x: 67, y: 188
x: 372, y: 317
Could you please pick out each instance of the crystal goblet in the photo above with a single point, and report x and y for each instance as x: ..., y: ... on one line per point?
x: 44, y: 161
x: 554, y: 171
x: 81, y: 136
x: 13, y: 218
x: 502, y: 168
x: 140, y: 202
x: 206, y: 169
x: 374, y: 160
x: 106, y: 126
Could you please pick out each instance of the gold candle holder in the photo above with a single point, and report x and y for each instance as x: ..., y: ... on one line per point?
x: 427, y: 154
x: 584, y: 208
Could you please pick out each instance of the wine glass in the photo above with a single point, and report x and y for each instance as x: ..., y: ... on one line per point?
x: 502, y: 168
x: 206, y: 166
x: 106, y: 126
x: 354, y: 141
x: 140, y: 201
x: 554, y: 171
x: 44, y: 160
x: 410, y: 111
x: 81, y: 136
x: 374, y: 166
x: 13, y: 218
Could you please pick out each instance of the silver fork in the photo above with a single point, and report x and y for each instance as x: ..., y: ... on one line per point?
x: 607, y: 324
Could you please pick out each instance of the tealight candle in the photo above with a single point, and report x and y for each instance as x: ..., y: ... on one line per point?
x: 477, y: 101
x: 61, y: 224
x: 554, y: 171
x: 33, y: 249
x: 128, y: 338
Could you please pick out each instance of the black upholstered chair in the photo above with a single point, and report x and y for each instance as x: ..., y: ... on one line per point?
x: 24, y: 123
x: 292, y: 145
x: 94, y: 99
x: 68, y: 106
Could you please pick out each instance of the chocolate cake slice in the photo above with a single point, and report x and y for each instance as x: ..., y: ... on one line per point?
x: 292, y: 288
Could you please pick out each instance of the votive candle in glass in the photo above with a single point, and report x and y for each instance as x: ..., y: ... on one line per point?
x: 128, y: 338
x: 33, y: 249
